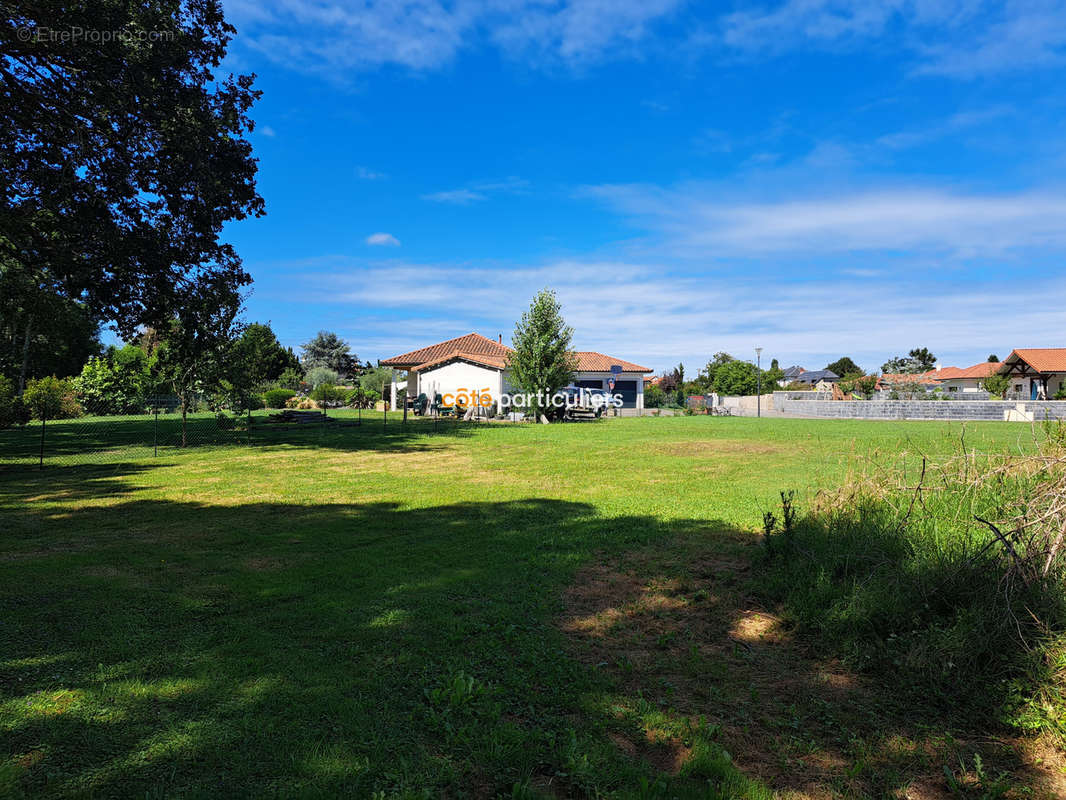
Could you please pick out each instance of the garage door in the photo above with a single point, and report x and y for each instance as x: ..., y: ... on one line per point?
x: 596, y: 384
x: 628, y: 390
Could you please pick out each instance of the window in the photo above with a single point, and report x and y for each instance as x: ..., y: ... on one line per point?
x: 1017, y: 387
x: 953, y: 388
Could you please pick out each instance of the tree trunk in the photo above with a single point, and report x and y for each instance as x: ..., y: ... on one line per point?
x: 25, y: 354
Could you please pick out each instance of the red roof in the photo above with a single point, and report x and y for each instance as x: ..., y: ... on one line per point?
x: 480, y: 350
x: 591, y: 361
x: 485, y: 361
x: 473, y: 344
x: 1041, y: 359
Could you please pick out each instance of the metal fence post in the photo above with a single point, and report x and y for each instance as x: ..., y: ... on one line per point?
x: 155, y: 430
x: 41, y: 462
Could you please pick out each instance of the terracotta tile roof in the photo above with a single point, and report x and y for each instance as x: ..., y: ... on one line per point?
x: 480, y: 350
x: 591, y: 361
x: 1041, y: 359
x: 473, y: 344
x: 486, y: 361
x: 982, y: 370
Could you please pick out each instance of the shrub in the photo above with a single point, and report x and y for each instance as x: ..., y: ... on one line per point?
x: 291, y: 379
x: 997, y: 385
x: 957, y: 594
x: 51, y: 398
x: 654, y: 396
x: 276, y: 398
x: 320, y: 375
x: 115, y: 383
x: 328, y: 396
x: 12, y: 410
x: 301, y: 403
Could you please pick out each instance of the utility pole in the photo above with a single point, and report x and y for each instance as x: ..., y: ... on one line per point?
x: 758, y: 381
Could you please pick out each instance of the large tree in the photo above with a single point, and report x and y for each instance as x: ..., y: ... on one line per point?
x: 844, y: 366
x: 41, y: 333
x: 736, y: 378
x: 261, y: 356
x: 917, y: 361
x: 122, y: 156
x: 543, y: 360
x: 194, y: 351
x: 329, y: 350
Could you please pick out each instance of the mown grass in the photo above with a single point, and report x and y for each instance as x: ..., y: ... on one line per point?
x: 391, y: 610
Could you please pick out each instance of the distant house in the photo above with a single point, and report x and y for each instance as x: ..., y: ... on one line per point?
x: 1037, y: 373
x: 790, y: 375
x: 476, y: 364
x: 949, y: 379
x: 967, y: 379
x: 820, y: 379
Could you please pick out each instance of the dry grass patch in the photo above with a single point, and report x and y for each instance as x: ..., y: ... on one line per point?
x: 680, y: 633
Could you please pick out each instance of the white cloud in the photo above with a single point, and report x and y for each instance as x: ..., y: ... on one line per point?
x: 383, y: 239
x: 960, y: 38
x: 652, y: 314
x: 335, y: 36
x: 367, y: 174
x: 266, y: 130
x: 476, y: 192
x: 706, y: 219
x: 459, y: 197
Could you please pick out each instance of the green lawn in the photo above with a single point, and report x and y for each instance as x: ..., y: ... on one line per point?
x: 475, y: 611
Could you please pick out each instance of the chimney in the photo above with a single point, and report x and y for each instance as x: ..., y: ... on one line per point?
x: 501, y: 337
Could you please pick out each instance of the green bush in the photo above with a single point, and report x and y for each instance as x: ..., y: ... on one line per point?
x: 291, y: 378
x: 996, y: 385
x: 922, y: 592
x: 12, y: 410
x: 654, y: 396
x: 115, y: 383
x: 320, y: 375
x: 327, y: 395
x: 51, y: 398
x: 275, y: 398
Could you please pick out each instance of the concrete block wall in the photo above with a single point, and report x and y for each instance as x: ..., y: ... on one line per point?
x: 916, y: 409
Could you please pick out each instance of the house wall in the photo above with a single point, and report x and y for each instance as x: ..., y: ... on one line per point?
x: 459, y: 375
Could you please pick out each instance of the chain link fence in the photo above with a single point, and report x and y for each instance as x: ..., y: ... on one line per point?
x: 161, y: 429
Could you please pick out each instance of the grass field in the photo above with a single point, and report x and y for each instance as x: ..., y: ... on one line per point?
x: 482, y: 611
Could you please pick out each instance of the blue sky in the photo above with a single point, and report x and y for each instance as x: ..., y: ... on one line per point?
x: 815, y: 177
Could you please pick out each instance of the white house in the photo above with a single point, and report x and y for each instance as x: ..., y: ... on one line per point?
x: 477, y: 365
x: 1037, y: 373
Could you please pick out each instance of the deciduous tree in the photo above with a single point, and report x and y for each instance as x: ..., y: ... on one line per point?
x: 123, y: 158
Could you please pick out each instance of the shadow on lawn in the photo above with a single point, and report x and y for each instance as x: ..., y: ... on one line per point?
x: 98, y: 440
x: 180, y: 648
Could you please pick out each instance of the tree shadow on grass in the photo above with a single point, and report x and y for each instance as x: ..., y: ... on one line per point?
x: 178, y: 648
x: 88, y: 441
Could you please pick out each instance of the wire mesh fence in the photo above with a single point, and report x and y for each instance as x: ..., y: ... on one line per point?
x: 161, y: 428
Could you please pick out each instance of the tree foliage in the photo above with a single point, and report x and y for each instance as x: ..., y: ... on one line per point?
x: 118, y: 382
x: 736, y: 378
x: 844, y: 366
x: 328, y: 350
x: 917, y: 361
x: 41, y: 333
x: 996, y: 385
x: 261, y: 355
x: 543, y: 360
x: 122, y: 160
x: 50, y: 398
